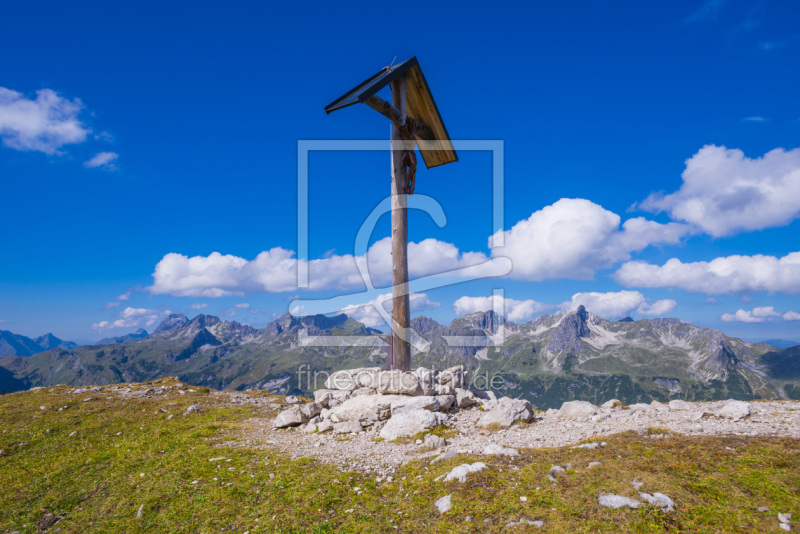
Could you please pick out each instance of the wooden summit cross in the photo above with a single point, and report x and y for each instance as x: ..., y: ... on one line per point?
x: 415, y: 120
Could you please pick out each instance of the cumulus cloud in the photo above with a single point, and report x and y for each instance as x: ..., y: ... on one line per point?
x: 104, y: 160
x: 517, y: 311
x: 756, y: 315
x: 132, y: 318
x: 43, y: 124
x: 571, y: 238
x: 370, y: 316
x: 725, y: 192
x: 791, y: 316
x: 574, y: 237
x: 616, y: 304
x: 275, y: 270
x: 721, y: 276
x: 199, y: 306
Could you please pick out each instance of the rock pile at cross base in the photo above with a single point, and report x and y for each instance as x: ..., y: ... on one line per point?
x: 394, y: 404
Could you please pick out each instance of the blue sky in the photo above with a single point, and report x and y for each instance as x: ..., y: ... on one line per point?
x: 652, y: 160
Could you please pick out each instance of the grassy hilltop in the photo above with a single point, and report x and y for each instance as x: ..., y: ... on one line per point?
x: 116, y: 464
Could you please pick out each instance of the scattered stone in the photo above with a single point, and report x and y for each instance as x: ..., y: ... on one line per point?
x: 784, y: 518
x: 434, y: 442
x: 397, y: 382
x: 617, y: 501
x: 636, y: 484
x: 734, y: 410
x: 611, y: 403
x: 465, y: 398
x: 170, y: 416
x: 47, y: 521
x: 495, y: 449
x: 557, y: 469
x: 537, y: 523
x: 785, y: 526
x: 192, y: 409
x: 593, y: 445
x: 452, y: 376
x: 443, y: 504
x: 410, y: 423
x: 139, y: 512
x: 446, y: 401
x: 594, y: 464
x: 292, y: 399
x: 293, y: 416
x: 80, y: 390
x: 659, y: 406
x: 506, y: 412
x: 347, y: 427
x: 406, y: 404
x: 678, y: 404
x: 577, y: 409
x: 660, y: 500
x: 449, y: 455
x: 763, y: 509
x: 460, y: 473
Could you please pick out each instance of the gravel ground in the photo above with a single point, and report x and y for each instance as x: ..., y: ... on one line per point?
x: 360, y: 451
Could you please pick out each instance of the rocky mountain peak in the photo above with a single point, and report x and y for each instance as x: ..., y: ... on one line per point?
x: 173, y: 321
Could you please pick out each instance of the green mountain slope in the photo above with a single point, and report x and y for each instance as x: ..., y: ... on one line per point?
x: 558, y: 357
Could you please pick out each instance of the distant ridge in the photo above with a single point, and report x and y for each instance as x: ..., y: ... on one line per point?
x: 12, y: 344
x: 563, y: 356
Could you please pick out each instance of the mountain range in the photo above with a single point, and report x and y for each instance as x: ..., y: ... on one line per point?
x: 557, y: 357
x: 15, y: 344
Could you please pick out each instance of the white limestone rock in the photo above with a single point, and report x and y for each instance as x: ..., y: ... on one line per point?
x: 412, y: 422
x: 506, y: 412
x: 465, y: 398
x: 405, y: 404
x: 347, y: 427
x: 397, y: 382
x: 366, y: 409
x: 678, y: 404
x: 577, y: 409
x: 611, y: 403
x: 452, y: 376
x: 445, y: 401
x: 460, y: 473
x: 427, y: 380
x: 352, y: 379
x: 443, y: 504
x: 734, y: 410
x: 617, y: 501
x: 292, y: 416
x: 495, y: 449
x: 660, y: 500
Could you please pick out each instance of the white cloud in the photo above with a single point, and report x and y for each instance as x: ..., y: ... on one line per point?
x: 132, y: 318
x: 755, y: 119
x: 791, y: 316
x: 275, y: 270
x: 121, y: 298
x: 574, y: 237
x: 105, y: 160
x: 199, y: 306
x: 721, y: 276
x: 43, y: 124
x: 517, y: 311
x: 569, y: 239
x: 616, y: 304
x: 757, y: 315
x: 369, y: 316
x: 725, y: 192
